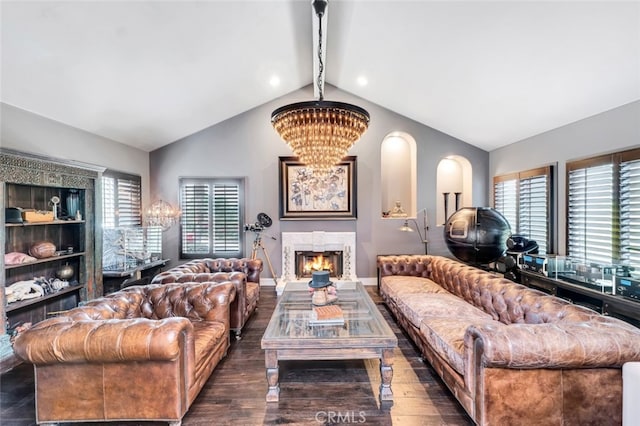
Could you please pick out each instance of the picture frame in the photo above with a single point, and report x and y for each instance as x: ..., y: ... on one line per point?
x: 308, y: 196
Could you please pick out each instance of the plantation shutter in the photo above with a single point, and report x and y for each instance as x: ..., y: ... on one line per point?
x: 534, y: 210
x: 121, y: 200
x: 505, y: 193
x: 525, y: 200
x: 129, y: 204
x: 630, y: 212
x: 211, y: 223
x: 108, y: 202
x: 226, y: 219
x: 592, y: 232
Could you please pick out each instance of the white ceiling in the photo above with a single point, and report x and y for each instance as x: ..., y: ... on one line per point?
x: 146, y: 73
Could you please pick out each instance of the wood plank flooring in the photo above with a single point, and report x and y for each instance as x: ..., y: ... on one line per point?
x: 312, y: 393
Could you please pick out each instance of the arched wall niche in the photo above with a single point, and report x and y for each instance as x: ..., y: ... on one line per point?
x: 398, y: 174
x: 453, y: 177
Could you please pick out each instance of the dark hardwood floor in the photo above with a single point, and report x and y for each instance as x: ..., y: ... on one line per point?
x: 312, y: 393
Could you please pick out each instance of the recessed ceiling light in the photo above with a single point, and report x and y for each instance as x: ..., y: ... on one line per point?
x: 362, y: 80
x: 274, y: 81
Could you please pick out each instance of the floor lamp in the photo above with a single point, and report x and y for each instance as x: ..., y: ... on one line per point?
x: 425, y: 227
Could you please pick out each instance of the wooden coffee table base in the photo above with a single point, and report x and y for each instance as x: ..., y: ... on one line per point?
x: 273, y: 356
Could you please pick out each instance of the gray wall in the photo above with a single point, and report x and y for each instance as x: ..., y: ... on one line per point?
x: 614, y: 130
x: 247, y: 146
x: 27, y: 132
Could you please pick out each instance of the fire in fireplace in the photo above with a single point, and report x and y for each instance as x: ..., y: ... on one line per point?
x: 309, y: 261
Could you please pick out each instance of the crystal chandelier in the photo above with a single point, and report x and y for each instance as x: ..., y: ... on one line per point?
x: 162, y: 214
x: 320, y: 132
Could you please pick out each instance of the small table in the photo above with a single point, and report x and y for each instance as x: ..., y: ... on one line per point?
x: 113, y: 277
x: 364, y: 335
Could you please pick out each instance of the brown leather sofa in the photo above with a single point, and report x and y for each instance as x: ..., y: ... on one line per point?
x: 142, y: 353
x: 245, y: 273
x: 511, y: 355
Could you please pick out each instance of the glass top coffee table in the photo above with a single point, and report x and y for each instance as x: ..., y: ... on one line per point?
x: 292, y: 334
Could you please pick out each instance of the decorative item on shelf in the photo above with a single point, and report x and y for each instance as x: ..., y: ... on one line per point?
x: 54, y: 202
x: 73, y: 204
x: 457, y: 194
x: 37, y: 216
x: 42, y: 249
x: 17, y: 258
x: 320, y: 132
x: 12, y: 215
x: 51, y: 285
x: 65, y: 272
x: 446, y: 205
x: 397, y: 210
x: 162, y: 214
x: 421, y: 234
x: 324, y: 292
x: 23, y: 290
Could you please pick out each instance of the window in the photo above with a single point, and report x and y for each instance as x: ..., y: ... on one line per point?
x: 211, y: 222
x: 121, y: 200
x: 525, y: 199
x: 603, y: 207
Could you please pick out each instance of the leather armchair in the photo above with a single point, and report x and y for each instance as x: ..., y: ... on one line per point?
x: 156, y: 345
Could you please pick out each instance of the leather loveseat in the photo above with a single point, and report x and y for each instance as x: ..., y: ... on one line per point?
x: 511, y: 355
x: 142, y: 353
x: 245, y: 273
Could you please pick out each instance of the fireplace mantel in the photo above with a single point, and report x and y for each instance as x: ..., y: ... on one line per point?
x: 316, y: 241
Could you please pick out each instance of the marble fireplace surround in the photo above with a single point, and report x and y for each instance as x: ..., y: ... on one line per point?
x: 318, y: 241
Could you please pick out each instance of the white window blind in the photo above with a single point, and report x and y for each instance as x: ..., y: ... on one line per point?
x: 533, y: 217
x: 525, y: 200
x: 506, y: 200
x: 121, y: 200
x: 108, y: 202
x: 630, y: 213
x: 590, y: 209
x: 211, y: 222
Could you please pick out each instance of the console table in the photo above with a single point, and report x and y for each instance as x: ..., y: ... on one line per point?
x: 616, y: 306
x: 113, y: 279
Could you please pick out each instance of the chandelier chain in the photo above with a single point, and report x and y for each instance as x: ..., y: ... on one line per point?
x: 320, y: 81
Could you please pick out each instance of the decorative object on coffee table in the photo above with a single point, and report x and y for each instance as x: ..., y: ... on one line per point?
x: 321, y: 284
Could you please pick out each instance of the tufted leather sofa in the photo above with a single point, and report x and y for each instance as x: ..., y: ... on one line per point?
x: 245, y: 273
x: 142, y: 353
x: 511, y: 355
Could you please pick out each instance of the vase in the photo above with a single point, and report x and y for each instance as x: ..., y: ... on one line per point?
x: 73, y: 203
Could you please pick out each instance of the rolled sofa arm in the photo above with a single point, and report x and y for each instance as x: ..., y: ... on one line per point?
x: 606, y: 343
x: 62, y: 339
x: 411, y: 265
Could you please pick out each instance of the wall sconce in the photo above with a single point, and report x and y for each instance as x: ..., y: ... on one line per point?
x: 162, y: 214
x: 425, y: 227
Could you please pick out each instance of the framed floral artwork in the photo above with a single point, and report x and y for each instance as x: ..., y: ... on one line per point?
x: 305, y: 194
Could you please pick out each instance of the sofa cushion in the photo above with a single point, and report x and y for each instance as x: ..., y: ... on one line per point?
x: 445, y: 335
x: 396, y: 286
x: 208, y: 335
x: 419, y: 305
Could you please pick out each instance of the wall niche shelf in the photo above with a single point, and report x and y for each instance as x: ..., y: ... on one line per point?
x: 398, y: 159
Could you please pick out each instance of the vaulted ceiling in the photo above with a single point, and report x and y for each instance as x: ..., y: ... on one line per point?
x: 146, y: 73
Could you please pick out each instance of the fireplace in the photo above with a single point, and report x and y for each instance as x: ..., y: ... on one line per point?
x: 308, y: 261
x: 317, y: 242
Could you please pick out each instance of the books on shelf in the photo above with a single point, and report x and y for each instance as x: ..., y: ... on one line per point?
x: 327, y: 315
